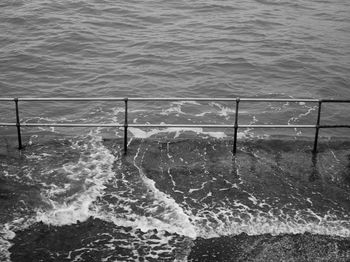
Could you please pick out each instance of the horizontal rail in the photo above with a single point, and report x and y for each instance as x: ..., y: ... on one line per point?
x: 64, y: 99
x: 49, y: 99
x: 223, y: 126
x: 180, y: 99
x: 170, y: 125
x: 334, y: 126
x: 181, y: 125
x: 278, y: 100
x: 7, y: 99
x: 70, y: 125
x: 335, y: 100
x: 295, y: 100
x: 61, y: 125
x: 8, y: 124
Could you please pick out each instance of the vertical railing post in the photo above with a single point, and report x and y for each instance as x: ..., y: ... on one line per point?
x: 236, y: 127
x: 317, y: 126
x: 126, y: 127
x: 18, y: 125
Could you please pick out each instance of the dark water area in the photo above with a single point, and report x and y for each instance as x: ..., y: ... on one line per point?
x: 206, y: 48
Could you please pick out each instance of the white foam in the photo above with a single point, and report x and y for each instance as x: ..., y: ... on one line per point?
x: 203, y: 113
x: 91, y: 172
x: 174, y: 220
x: 295, y: 119
x: 161, y: 212
x: 7, y: 233
x: 223, y: 110
x: 197, y: 189
x: 224, y: 222
x: 94, y: 168
x: 175, y: 109
x: 139, y: 133
x: 5, y: 236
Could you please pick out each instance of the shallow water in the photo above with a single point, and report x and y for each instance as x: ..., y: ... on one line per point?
x: 166, y: 193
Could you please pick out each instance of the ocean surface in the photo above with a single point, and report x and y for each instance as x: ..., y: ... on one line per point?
x: 71, y: 194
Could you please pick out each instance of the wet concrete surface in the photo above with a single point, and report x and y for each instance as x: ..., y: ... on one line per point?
x: 299, y: 247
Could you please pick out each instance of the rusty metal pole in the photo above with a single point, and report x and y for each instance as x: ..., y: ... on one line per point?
x: 126, y: 127
x: 317, y: 126
x: 236, y: 128
x: 18, y: 125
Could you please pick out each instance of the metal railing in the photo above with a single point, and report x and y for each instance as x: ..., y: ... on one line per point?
x: 126, y: 124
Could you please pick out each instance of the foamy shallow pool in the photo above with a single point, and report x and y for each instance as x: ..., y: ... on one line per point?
x: 81, y: 198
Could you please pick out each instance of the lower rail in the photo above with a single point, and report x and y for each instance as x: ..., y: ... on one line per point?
x: 236, y: 127
x: 172, y: 125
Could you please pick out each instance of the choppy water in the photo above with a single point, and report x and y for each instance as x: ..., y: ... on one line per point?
x: 169, y: 191
x: 182, y: 49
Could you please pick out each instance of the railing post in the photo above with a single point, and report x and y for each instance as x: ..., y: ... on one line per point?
x: 317, y: 126
x: 18, y: 125
x: 126, y: 126
x: 236, y: 127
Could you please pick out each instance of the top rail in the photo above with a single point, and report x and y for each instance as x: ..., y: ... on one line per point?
x: 174, y: 99
x: 335, y: 100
